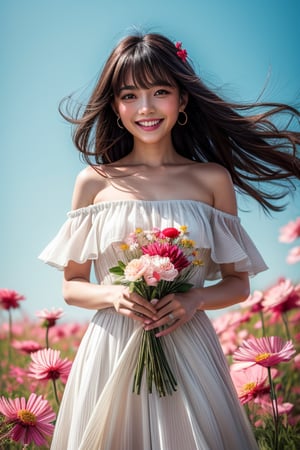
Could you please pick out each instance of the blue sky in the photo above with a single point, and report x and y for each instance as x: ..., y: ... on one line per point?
x: 52, y: 48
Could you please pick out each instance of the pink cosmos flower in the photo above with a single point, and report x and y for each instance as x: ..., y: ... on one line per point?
x: 293, y: 255
x: 167, y: 250
x: 251, y: 383
x: 27, y: 346
x: 282, y: 297
x: 266, y: 404
x: 10, y: 299
x: 265, y: 351
x: 254, y: 302
x: 50, y: 317
x: 18, y: 373
x: 47, y: 365
x: 31, y: 419
x: 290, y: 232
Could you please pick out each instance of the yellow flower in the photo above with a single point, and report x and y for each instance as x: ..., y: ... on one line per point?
x: 188, y: 243
x: 138, y: 230
x: 183, y: 228
x: 124, y: 246
x: 197, y: 262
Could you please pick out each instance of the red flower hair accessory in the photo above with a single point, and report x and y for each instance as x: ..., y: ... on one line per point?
x: 181, y: 52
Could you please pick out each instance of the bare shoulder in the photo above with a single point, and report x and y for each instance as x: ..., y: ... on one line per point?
x: 88, y: 183
x: 218, y: 181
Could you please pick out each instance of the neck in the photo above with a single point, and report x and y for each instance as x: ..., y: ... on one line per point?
x: 153, y: 155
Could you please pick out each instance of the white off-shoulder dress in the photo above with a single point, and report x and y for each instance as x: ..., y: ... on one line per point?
x: 98, y: 409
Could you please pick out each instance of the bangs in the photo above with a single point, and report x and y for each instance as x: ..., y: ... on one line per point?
x: 144, y: 69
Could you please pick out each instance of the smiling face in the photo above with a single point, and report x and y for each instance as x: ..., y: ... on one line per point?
x: 149, y: 114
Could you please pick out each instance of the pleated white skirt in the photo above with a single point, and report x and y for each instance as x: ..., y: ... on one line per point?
x: 100, y: 412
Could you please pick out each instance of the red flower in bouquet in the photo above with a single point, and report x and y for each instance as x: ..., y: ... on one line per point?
x: 157, y: 262
x: 170, y: 233
x: 30, y: 420
x: 10, y: 298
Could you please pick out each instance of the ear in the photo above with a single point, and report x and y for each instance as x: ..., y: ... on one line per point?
x: 183, y: 101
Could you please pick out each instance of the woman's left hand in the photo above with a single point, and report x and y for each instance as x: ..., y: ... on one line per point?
x: 174, y: 310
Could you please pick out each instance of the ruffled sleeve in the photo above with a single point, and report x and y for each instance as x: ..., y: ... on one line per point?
x: 91, y: 233
x: 75, y: 241
x: 230, y: 243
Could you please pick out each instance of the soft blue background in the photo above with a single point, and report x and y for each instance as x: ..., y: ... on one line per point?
x: 51, y: 48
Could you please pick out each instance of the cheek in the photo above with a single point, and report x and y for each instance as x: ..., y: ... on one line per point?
x: 124, y: 110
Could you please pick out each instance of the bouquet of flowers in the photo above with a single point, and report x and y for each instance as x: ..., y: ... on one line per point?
x: 156, y: 263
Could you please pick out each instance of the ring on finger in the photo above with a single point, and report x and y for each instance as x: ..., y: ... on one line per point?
x: 171, y: 317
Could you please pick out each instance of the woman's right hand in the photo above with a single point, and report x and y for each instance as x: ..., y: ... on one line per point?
x: 131, y: 304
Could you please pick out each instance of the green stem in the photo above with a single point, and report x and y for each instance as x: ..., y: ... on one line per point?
x: 47, y: 337
x: 274, y: 408
x: 286, y: 325
x: 262, y: 323
x: 9, y: 334
x: 55, y: 391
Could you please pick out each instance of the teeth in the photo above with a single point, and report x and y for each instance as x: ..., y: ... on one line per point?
x: 149, y: 123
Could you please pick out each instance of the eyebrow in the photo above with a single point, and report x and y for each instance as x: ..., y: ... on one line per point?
x: 130, y: 87
x: 127, y: 87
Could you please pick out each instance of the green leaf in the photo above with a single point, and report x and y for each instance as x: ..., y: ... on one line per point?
x: 117, y: 270
x: 184, y: 287
x: 122, y: 265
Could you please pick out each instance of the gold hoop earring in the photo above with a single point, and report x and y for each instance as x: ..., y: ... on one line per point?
x: 119, y: 123
x: 185, y: 119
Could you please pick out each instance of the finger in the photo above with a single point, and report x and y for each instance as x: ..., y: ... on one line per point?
x: 165, y: 320
x: 138, y: 309
x: 136, y: 299
x: 171, y: 328
x: 164, y: 301
x: 132, y: 315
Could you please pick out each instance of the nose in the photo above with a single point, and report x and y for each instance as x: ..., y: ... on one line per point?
x: 146, y: 104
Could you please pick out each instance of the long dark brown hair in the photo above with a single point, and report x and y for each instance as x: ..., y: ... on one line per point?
x: 241, y: 137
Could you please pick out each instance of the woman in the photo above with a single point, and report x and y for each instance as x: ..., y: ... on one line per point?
x: 162, y: 151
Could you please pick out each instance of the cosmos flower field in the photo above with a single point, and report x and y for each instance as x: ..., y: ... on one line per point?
x: 260, y: 338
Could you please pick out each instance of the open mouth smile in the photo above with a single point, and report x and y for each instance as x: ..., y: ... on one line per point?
x: 149, y: 124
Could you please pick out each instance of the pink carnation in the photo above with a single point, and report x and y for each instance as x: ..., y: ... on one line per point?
x: 161, y: 268
x: 136, y: 268
x: 167, y: 250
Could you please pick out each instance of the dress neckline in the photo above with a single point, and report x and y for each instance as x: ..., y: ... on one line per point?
x: 95, y: 207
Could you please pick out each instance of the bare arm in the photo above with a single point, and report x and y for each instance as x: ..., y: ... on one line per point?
x: 77, y: 287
